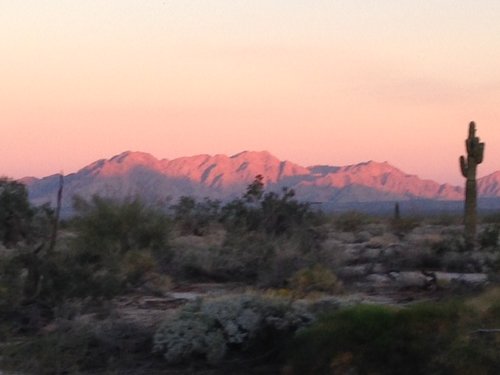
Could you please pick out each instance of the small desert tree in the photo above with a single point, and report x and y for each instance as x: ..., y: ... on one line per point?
x: 15, y: 212
x: 30, y: 233
x: 117, y: 245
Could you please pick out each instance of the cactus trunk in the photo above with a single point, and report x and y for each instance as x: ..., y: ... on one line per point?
x: 475, y: 154
x: 470, y: 217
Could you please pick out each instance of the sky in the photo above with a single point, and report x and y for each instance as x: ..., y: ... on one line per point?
x: 312, y: 81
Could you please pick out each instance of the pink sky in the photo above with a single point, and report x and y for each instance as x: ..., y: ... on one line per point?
x: 314, y: 82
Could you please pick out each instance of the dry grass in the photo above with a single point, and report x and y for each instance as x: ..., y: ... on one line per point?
x: 485, y: 300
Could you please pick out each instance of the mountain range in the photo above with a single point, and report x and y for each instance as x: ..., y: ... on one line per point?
x: 226, y: 177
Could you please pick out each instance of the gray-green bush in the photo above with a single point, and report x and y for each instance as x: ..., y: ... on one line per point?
x: 210, y: 329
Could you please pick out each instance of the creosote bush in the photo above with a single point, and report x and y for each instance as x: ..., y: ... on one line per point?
x: 370, y: 339
x: 193, y: 217
x: 404, y: 225
x: 271, y: 213
x: 110, y: 225
x: 80, y: 348
x: 449, y: 243
x: 351, y: 221
x: 261, y: 231
x: 488, y: 237
x: 491, y: 218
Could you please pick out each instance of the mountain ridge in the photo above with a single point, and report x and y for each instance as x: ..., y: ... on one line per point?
x: 225, y: 177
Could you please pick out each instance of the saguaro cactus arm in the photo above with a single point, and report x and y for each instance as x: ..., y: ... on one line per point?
x: 463, y: 166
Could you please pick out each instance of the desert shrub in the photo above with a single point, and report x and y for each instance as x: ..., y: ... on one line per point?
x: 488, y: 237
x: 416, y: 256
x: 242, y: 257
x: 74, y: 348
x: 259, y: 227
x: 315, y: 278
x: 25, y: 231
x: 136, y: 264
x: 351, y: 221
x: 11, y: 282
x: 252, y: 258
x: 192, y: 217
x: 110, y: 225
x: 271, y: 213
x: 212, y: 328
x: 369, y: 339
x: 402, y: 226
x: 115, y: 245
x: 426, y: 259
x: 450, y: 243
x: 445, y: 219
x: 220, y: 264
x: 16, y: 212
x: 57, y: 353
x: 286, y: 260
x: 283, y: 214
x: 79, y: 274
x: 459, y: 262
x: 491, y: 218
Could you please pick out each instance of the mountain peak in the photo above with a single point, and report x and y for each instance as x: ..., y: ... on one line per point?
x: 121, y: 163
x: 134, y: 157
x: 254, y: 155
x: 372, y: 168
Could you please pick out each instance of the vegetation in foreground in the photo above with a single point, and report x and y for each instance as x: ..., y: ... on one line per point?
x: 61, y: 309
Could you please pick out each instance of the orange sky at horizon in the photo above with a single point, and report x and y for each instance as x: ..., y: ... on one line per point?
x: 319, y: 82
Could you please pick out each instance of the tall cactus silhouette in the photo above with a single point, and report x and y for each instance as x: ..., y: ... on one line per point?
x: 475, y: 154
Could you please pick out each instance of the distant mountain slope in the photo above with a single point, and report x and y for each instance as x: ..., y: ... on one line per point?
x: 225, y: 177
x: 381, y: 181
x: 489, y: 186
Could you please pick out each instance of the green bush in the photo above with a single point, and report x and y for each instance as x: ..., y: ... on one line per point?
x: 11, y: 282
x: 241, y: 258
x: 192, y: 217
x: 488, y: 237
x: 16, y: 212
x: 369, y: 339
x: 115, y: 244
x: 75, y: 348
x: 271, y: 213
x: 25, y: 231
x: 250, y: 257
x: 450, y: 243
x: 491, y: 218
x: 108, y: 225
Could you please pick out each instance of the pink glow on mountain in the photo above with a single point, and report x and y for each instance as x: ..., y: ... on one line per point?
x: 225, y: 177
x: 489, y: 186
x: 122, y: 163
x: 385, y: 177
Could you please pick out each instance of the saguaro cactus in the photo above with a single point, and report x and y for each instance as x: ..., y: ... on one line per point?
x: 475, y: 154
